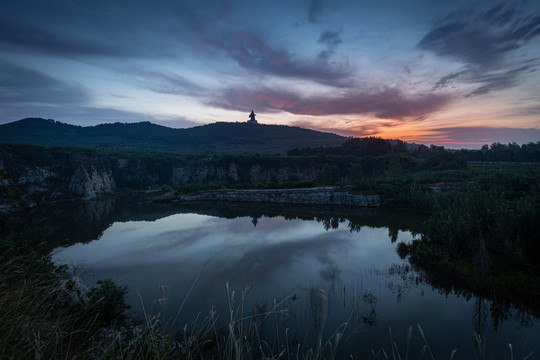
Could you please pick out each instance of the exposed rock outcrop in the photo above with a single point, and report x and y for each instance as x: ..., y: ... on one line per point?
x: 202, y: 171
x: 322, y: 196
x: 32, y: 175
x: 88, y: 183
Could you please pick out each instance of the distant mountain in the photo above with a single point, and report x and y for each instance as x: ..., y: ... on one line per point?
x: 221, y: 137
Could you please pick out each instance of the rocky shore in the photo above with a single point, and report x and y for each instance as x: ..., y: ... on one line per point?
x: 320, y: 196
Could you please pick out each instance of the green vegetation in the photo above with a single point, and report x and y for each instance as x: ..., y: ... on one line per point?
x: 511, y: 152
x: 56, y: 169
x: 481, y: 236
x: 40, y: 315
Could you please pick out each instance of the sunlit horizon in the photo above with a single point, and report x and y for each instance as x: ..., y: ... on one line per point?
x: 446, y: 73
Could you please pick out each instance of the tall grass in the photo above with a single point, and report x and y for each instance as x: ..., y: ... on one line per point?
x: 39, y: 319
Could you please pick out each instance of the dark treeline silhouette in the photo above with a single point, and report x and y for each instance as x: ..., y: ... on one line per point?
x: 511, y: 152
x: 374, y: 146
x: 371, y: 149
x: 356, y: 147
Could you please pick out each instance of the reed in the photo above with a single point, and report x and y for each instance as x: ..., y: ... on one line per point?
x: 39, y: 319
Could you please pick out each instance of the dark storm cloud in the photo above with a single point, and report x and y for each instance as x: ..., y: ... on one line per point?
x: 384, y: 103
x: 22, y: 85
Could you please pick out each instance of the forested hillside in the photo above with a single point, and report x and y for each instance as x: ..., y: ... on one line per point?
x: 219, y: 137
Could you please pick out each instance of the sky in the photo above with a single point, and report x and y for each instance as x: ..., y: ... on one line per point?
x: 445, y: 72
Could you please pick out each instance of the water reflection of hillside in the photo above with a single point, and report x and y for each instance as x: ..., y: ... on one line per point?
x: 331, y: 217
x: 492, y: 303
x: 64, y: 224
x: 81, y: 222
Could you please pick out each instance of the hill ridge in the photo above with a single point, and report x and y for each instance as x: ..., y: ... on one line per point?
x: 219, y: 137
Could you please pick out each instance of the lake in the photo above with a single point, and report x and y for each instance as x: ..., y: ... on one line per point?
x: 324, y: 266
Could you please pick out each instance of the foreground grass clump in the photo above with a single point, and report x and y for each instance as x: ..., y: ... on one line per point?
x: 45, y: 313
x: 38, y: 318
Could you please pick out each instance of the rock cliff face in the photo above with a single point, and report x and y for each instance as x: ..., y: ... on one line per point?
x: 326, y: 195
x: 251, y: 173
x: 31, y: 175
x: 88, y: 183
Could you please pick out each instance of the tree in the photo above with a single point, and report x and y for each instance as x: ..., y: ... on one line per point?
x: 329, y: 174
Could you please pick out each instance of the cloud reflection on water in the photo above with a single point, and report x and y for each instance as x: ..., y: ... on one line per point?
x: 279, y: 258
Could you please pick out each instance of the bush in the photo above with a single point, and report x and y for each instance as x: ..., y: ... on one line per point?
x: 108, y: 301
x: 386, y: 191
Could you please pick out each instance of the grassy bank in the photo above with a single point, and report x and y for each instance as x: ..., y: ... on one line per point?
x: 46, y: 313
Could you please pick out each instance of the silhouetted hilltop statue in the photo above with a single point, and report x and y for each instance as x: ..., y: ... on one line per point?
x: 252, y: 118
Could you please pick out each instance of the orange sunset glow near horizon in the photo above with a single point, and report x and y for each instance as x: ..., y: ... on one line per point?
x: 459, y: 73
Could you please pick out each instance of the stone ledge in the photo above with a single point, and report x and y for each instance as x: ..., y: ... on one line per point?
x: 320, y: 196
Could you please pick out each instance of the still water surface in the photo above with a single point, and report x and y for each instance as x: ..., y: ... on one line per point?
x: 298, y: 258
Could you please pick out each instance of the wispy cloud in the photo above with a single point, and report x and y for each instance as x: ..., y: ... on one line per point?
x: 482, y: 38
x: 484, y: 42
x: 252, y: 48
x: 486, y: 80
x: 23, y: 36
x: 20, y: 85
x: 331, y: 39
x: 315, y: 10
x: 448, y: 80
x: 168, y: 83
x: 478, y: 135
x: 254, y: 52
x: 499, y: 81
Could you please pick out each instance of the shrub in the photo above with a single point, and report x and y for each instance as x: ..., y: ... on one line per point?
x: 107, y: 299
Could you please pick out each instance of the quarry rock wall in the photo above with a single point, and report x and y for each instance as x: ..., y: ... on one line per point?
x: 325, y: 195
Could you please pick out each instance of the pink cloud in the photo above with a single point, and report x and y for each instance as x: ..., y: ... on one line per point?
x: 383, y: 103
